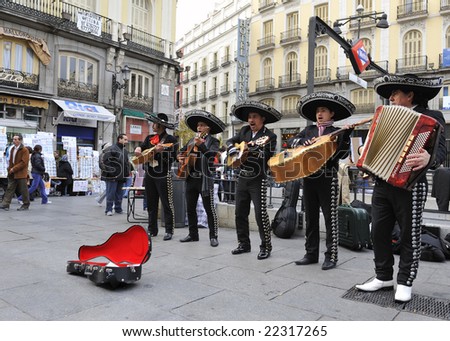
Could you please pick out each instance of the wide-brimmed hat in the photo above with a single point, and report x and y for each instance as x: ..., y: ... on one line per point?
x: 242, y: 109
x: 341, y: 106
x: 213, y: 122
x: 160, y: 118
x: 426, y: 87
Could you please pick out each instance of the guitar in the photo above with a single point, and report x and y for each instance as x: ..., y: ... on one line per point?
x: 189, y: 158
x: 237, y: 159
x: 147, y: 155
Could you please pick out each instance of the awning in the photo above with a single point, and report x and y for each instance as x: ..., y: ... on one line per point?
x: 85, y: 111
x: 133, y: 113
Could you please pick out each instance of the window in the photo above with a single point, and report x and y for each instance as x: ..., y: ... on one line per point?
x: 363, y: 99
x: 18, y: 56
x: 225, y: 111
x: 85, y: 4
x: 226, y: 79
x: 320, y: 61
x: 321, y: 11
x: 268, y: 29
x: 412, y: 48
x: 367, y: 4
x: 140, y: 14
x: 213, y: 109
x: 140, y: 85
x: 290, y: 103
x: 267, y: 68
x: 75, y: 68
x: 292, y: 21
x: 268, y: 101
x: 291, y: 65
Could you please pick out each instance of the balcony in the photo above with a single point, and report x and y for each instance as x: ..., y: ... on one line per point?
x: 290, y: 36
x: 194, y: 75
x: 202, y: 96
x: 411, y: 64
x: 266, y: 43
x: 226, y: 60
x: 185, y: 102
x: 224, y: 90
x: 372, y: 73
x: 203, y: 70
x: 185, y: 78
x: 289, y: 113
x: 289, y: 81
x: 138, y: 102
x: 321, y: 75
x: 363, y: 22
x: 77, y: 90
x: 193, y: 99
x: 19, y: 79
x: 413, y: 10
x: 265, y: 5
x: 445, y: 6
x: 265, y: 84
x: 214, y: 65
x: 213, y: 93
x: 365, y: 108
x: 145, y: 42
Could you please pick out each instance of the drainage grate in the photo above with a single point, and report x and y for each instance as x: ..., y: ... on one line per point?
x: 419, y: 304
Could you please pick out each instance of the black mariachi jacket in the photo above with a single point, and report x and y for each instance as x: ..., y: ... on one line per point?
x: 342, y: 151
x: 165, y: 158
x: 256, y: 163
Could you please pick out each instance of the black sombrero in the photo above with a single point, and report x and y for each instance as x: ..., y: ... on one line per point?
x: 242, y: 109
x: 341, y: 106
x: 213, y: 122
x: 160, y: 118
x: 426, y: 87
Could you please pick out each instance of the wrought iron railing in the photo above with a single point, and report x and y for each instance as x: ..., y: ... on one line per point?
x: 412, y: 9
x: 266, y: 43
x: 265, y: 84
x: 290, y: 36
x: 413, y: 63
x: 78, y: 90
x: 290, y: 80
x: 19, y: 79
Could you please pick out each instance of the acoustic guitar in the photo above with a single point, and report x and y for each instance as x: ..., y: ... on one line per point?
x: 147, y: 155
x: 237, y: 159
x: 189, y: 158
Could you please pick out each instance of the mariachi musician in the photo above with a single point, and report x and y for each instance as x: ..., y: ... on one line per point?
x: 320, y: 189
x: 391, y: 204
x: 197, y: 157
x: 252, y: 178
x: 158, y: 179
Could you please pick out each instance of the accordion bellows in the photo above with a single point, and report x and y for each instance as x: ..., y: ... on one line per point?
x: 396, y: 132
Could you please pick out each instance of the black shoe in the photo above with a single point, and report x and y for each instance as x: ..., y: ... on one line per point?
x: 153, y: 233
x: 305, y: 261
x: 167, y: 236
x: 188, y: 238
x: 22, y: 208
x: 328, y: 264
x: 263, y: 254
x: 6, y: 208
x: 240, y: 249
x: 214, y: 242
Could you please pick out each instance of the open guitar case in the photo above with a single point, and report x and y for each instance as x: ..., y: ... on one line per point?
x: 117, y: 261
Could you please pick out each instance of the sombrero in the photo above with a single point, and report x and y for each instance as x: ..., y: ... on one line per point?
x: 160, y: 118
x: 426, y: 87
x: 341, y: 106
x: 213, y: 122
x: 242, y: 109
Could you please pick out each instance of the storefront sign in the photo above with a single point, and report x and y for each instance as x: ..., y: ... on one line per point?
x: 71, y: 121
x: 25, y: 102
x: 135, y: 129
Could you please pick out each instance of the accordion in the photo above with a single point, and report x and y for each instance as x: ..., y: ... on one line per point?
x: 396, y: 132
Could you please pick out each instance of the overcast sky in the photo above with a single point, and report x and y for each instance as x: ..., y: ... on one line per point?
x: 190, y: 13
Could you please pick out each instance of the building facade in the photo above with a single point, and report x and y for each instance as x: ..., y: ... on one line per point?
x: 86, y: 68
x: 416, y: 41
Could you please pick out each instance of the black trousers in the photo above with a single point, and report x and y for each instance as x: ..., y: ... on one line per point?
x: 193, y: 190
x: 157, y: 188
x: 252, y: 190
x: 391, y: 204
x: 321, y: 192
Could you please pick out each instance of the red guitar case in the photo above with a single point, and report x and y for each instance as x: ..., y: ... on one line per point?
x: 118, y: 260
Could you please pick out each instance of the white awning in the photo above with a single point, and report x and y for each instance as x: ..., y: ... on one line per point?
x: 85, y: 111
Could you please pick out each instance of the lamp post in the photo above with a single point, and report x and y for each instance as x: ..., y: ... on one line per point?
x: 116, y: 86
x: 379, y: 17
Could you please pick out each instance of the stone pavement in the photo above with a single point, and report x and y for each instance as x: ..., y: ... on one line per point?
x: 181, y: 281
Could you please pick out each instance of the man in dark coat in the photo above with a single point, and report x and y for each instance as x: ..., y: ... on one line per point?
x: 391, y: 204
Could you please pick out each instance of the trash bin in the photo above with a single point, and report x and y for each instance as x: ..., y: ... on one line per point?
x: 179, y: 202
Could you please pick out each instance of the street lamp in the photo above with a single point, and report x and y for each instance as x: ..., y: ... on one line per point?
x: 116, y: 85
x: 379, y: 17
